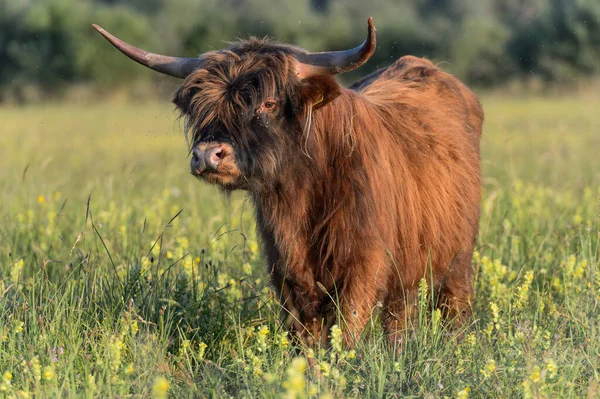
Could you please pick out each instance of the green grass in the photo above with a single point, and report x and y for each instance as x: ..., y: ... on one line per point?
x: 122, y: 276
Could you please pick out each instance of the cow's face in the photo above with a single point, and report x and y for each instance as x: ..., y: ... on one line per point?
x: 245, y: 107
x: 244, y: 113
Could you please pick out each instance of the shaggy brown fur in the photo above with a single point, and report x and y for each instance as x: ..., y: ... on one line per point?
x: 359, y: 192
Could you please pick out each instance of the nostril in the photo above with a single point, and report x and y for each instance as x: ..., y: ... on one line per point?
x: 214, y: 157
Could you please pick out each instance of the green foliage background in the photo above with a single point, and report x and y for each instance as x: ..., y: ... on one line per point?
x: 49, y: 44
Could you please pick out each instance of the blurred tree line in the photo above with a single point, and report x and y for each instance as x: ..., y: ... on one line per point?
x: 49, y: 44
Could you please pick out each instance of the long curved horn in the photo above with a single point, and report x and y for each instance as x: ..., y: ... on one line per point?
x: 334, y: 62
x: 172, y: 66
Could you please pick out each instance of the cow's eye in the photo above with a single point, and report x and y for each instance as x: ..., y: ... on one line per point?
x: 269, y: 105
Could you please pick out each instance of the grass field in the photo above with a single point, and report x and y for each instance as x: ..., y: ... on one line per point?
x: 122, y: 276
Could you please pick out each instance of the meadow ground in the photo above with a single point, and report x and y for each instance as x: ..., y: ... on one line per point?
x: 122, y: 276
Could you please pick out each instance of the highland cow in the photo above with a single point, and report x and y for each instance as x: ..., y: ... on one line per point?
x: 359, y: 192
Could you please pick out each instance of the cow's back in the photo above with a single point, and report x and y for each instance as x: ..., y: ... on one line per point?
x: 432, y: 128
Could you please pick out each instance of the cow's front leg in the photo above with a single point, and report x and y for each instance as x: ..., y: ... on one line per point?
x: 300, y: 305
x: 289, y: 314
x: 359, y: 299
x: 312, y: 326
x: 294, y: 284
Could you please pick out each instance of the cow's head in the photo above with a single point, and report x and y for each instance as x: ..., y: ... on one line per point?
x: 246, y: 107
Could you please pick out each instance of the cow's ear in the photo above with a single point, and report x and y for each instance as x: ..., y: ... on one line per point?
x: 320, y: 90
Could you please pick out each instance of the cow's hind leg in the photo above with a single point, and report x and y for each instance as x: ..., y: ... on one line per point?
x: 358, y: 299
x: 457, y: 292
x: 361, y: 290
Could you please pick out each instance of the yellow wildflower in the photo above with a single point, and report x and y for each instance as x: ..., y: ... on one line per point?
x: 423, y: 291
x: 471, y: 339
x: 261, y: 338
x: 114, y: 347
x: 257, y: 363
x: 48, y: 373
x: 325, y: 369
x: 336, y: 339
x: 463, y: 393
x: 490, y: 367
x: 495, y: 311
x: 185, y: 345
x: 90, y: 382
x: 36, y: 369
x: 535, y: 376
x: 41, y: 199
x: 523, y: 290
x: 551, y: 368
x: 201, y: 349
x: 437, y: 317
x: 295, y: 381
x: 253, y: 247
x: 134, y: 327
x: 160, y: 388
x: 129, y: 369
x: 247, y: 268
x: 5, y: 385
x: 283, y: 341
